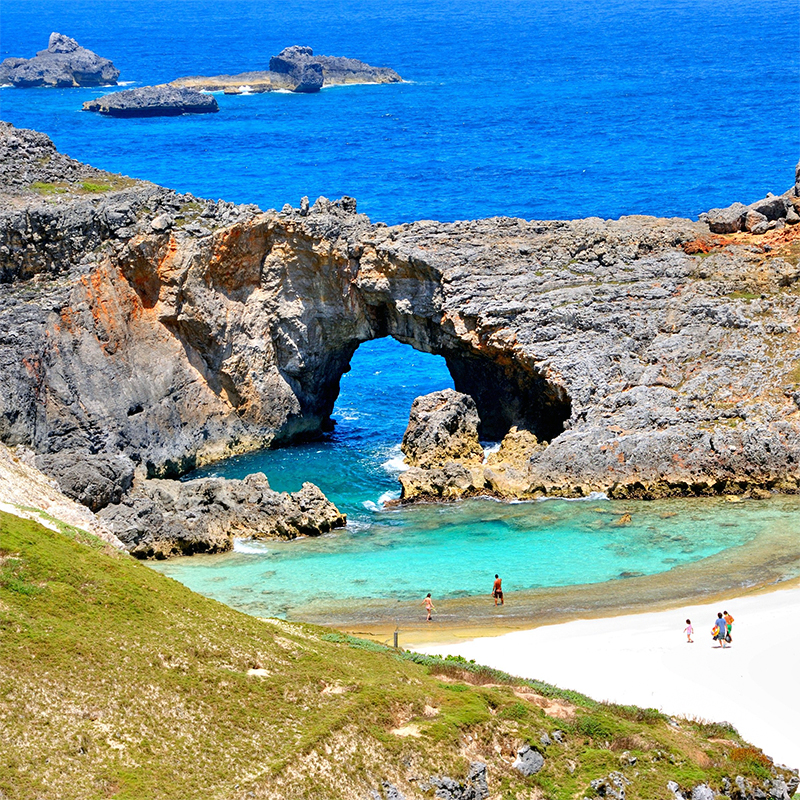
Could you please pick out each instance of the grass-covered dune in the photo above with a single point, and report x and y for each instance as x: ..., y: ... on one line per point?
x: 118, y: 682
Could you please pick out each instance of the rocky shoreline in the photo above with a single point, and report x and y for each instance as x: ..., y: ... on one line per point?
x: 640, y: 357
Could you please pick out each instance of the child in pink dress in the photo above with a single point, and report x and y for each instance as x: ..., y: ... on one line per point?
x: 689, y: 630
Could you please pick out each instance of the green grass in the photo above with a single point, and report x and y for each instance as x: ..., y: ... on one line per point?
x: 119, y: 682
x: 47, y: 189
x: 94, y: 188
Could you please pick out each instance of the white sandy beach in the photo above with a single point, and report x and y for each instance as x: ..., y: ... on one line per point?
x: 644, y: 659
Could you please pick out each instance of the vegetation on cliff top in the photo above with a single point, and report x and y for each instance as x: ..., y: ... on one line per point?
x: 119, y: 682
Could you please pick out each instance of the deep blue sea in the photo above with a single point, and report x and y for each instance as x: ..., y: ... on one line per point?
x: 553, y: 109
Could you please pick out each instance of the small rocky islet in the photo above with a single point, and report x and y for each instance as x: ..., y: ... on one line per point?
x: 64, y: 64
x: 639, y: 357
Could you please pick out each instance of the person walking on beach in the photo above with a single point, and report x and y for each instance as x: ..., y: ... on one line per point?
x: 689, y: 630
x: 497, y: 590
x: 429, y: 607
x: 728, y: 624
x: 722, y: 630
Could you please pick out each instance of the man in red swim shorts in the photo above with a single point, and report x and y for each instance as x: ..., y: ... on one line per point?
x: 497, y: 590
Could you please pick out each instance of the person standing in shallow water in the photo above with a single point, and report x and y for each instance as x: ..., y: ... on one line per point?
x: 497, y: 590
x: 429, y: 607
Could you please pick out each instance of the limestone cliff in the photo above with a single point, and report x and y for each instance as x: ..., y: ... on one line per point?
x: 653, y: 357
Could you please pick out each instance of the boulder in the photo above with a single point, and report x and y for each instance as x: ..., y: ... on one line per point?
x: 442, y: 427
x: 92, y: 480
x: 612, y: 786
x: 153, y: 101
x: 528, y: 761
x: 311, y: 79
x: 755, y: 222
x: 727, y: 220
x: 63, y: 64
x: 772, y: 207
x: 476, y: 786
x: 160, y: 518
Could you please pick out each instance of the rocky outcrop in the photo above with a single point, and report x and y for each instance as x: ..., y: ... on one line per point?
x: 64, y: 64
x: 164, y: 518
x: 94, y: 480
x: 442, y: 427
x: 771, y: 213
x: 295, y: 69
x: 653, y: 357
x: 446, y: 460
x: 153, y: 101
x: 775, y: 788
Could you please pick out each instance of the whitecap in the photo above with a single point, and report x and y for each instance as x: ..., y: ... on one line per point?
x: 387, y: 496
x: 395, y: 463
x: 592, y: 496
x: 250, y: 547
x: 489, y: 448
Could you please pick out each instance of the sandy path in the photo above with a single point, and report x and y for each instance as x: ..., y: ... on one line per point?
x: 644, y: 659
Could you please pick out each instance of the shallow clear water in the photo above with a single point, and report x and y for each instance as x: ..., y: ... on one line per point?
x: 454, y: 551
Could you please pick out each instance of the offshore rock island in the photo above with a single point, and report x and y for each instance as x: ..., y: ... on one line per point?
x: 148, y: 332
x: 294, y: 69
x: 63, y: 64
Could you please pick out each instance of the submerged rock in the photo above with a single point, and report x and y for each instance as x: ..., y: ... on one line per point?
x: 63, y: 64
x: 153, y: 101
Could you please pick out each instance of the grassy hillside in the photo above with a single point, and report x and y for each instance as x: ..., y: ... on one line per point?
x: 118, y: 682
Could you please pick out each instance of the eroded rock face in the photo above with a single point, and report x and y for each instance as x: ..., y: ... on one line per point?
x: 446, y: 460
x: 654, y: 358
x: 163, y: 518
x: 63, y: 64
x: 442, y: 427
x: 153, y: 101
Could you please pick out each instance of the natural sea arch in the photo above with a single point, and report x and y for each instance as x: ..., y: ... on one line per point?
x: 507, y: 391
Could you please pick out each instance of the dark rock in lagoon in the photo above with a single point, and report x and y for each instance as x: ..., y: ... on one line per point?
x: 606, y: 354
x: 63, y: 64
x: 153, y: 101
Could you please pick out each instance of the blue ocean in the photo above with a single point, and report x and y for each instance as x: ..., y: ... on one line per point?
x: 547, y: 110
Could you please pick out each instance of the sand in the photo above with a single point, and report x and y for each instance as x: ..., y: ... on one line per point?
x: 644, y: 659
